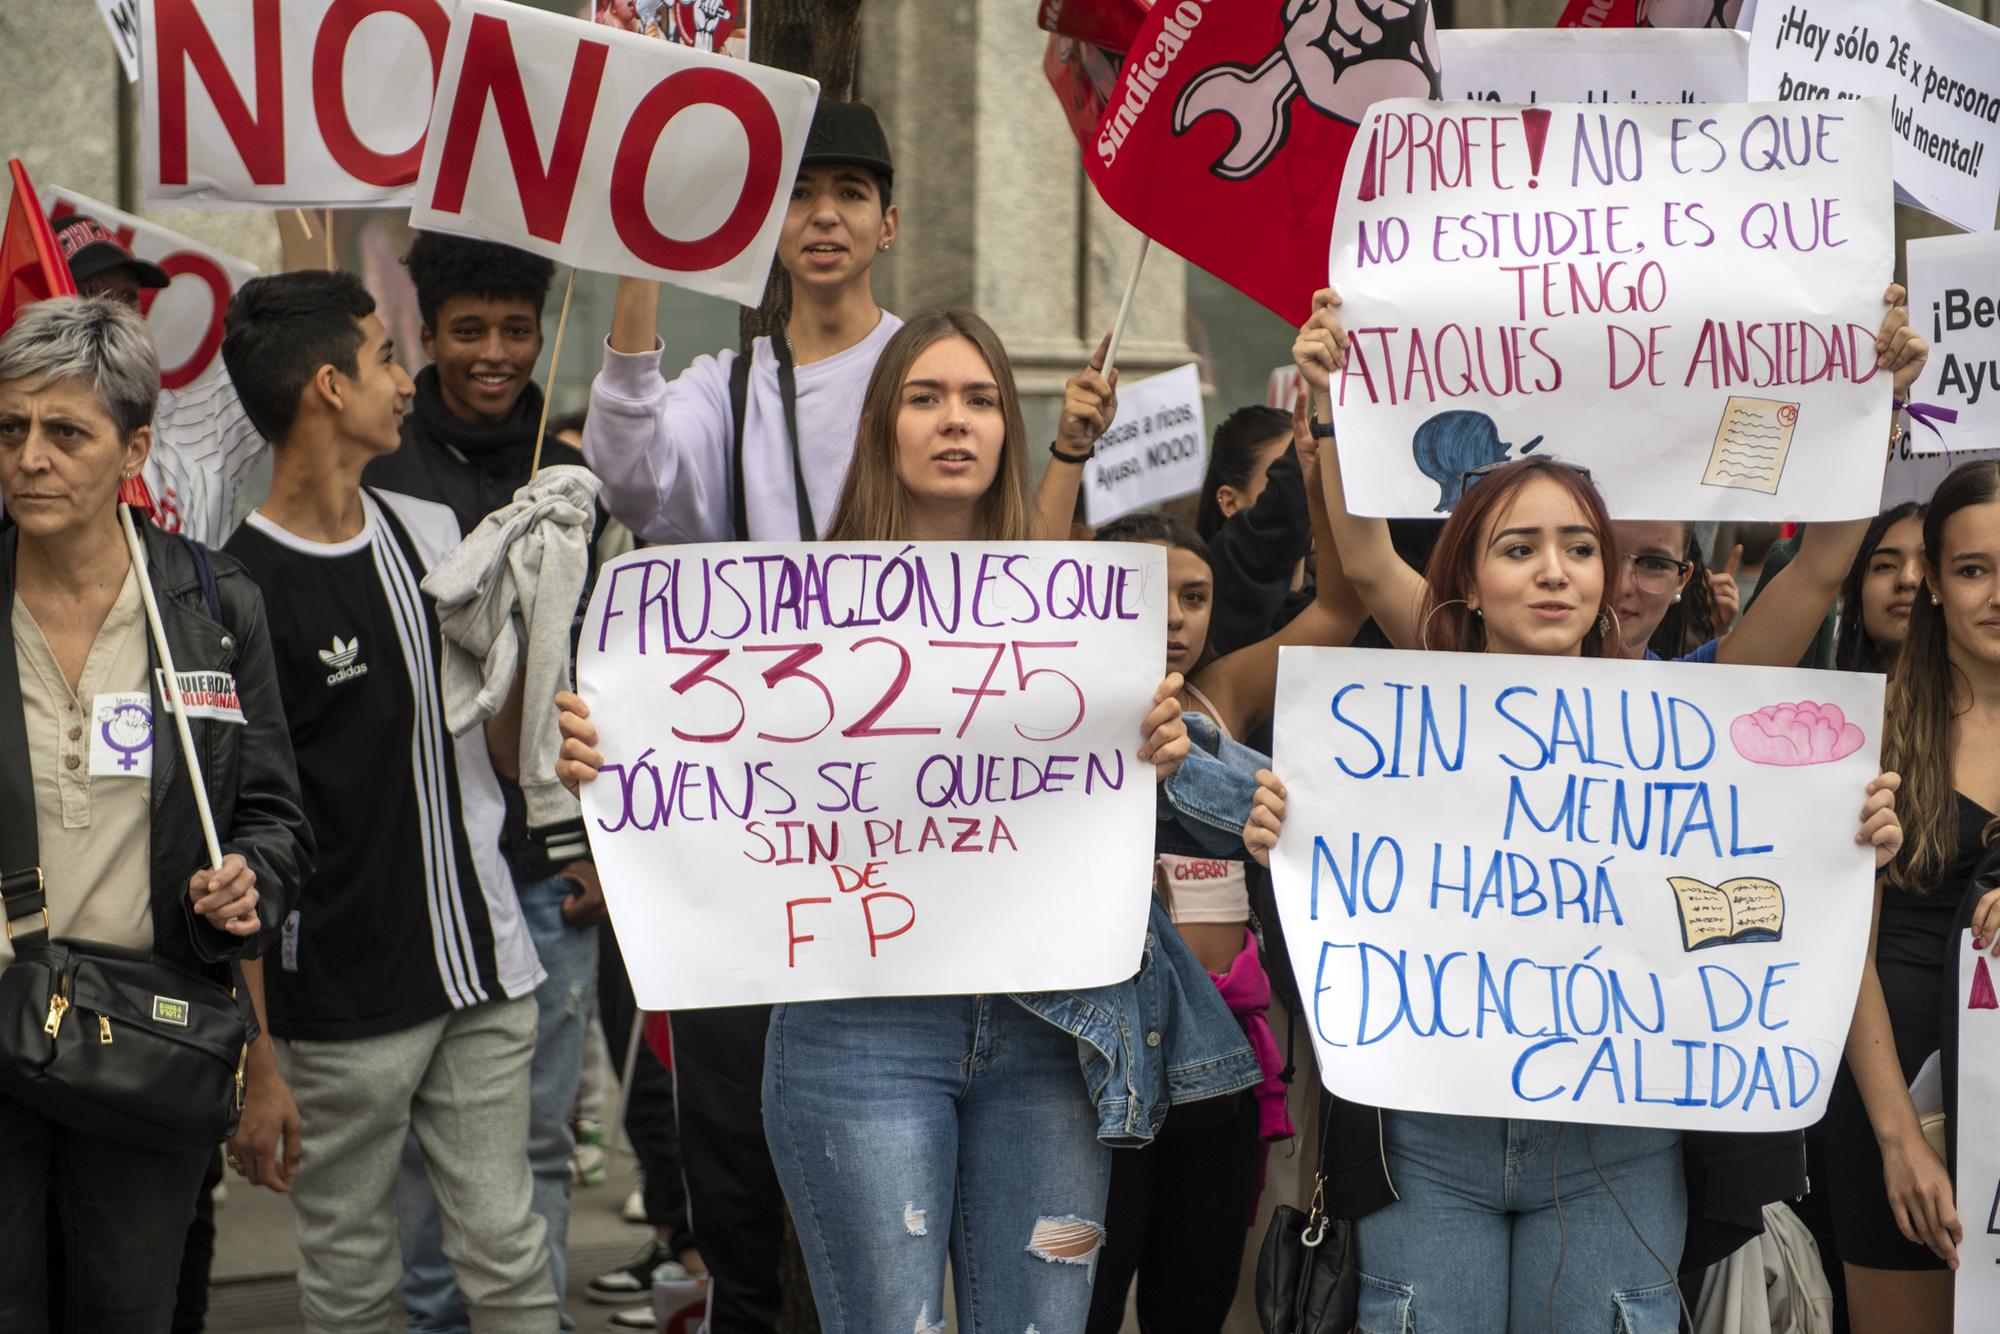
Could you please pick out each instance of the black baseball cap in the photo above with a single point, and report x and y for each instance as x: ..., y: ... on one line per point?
x: 90, y: 250
x: 848, y: 132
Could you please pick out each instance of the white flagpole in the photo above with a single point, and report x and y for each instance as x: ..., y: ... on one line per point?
x: 173, y: 690
x: 1125, y: 306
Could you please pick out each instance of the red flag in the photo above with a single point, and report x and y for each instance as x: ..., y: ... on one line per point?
x: 1229, y: 125
x: 1650, y: 14
x: 1083, y: 76
x: 1111, y: 24
x: 31, y: 267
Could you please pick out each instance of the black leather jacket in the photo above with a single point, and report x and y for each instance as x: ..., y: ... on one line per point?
x: 253, y: 788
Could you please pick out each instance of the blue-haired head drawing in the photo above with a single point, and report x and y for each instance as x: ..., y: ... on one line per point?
x: 1451, y: 444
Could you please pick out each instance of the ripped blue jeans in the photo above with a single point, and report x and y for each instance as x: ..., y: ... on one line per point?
x: 905, y: 1130
x: 1511, y: 1226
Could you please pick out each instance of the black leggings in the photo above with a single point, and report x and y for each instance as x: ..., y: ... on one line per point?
x: 1177, y: 1217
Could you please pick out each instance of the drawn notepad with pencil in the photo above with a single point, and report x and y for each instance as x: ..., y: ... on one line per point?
x: 1742, y: 911
x: 1751, y: 443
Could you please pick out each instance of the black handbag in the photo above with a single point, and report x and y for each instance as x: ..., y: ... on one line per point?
x: 1307, y: 1282
x: 117, y: 1043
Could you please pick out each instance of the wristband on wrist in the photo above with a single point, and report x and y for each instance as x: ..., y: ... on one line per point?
x: 1055, y: 448
x: 1322, y: 430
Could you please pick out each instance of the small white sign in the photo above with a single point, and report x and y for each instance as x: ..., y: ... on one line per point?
x: 1156, y: 450
x: 1978, y: 1287
x: 121, y: 735
x: 1955, y: 303
x: 122, y: 18
x: 1685, y: 65
x: 1941, y: 67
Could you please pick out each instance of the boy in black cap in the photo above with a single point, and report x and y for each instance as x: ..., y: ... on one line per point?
x: 756, y: 450
x: 711, y: 457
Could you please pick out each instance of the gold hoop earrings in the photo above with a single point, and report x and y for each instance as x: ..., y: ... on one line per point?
x: 1424, y: 632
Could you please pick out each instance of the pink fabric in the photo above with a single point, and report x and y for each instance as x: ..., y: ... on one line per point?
x: 1246, y: 987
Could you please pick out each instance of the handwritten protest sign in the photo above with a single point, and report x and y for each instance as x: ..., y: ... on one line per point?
x: 664, y: 162
x: 1978, y: 1284
x: 1156, y: 450
x: 1942, y: 68
x: 874, y: 769
x: 1955, y: 302
x: 1575, y: 889
x: 1595, y: 64
x: 186, y: 317
x: 306, y: 103
x: 1683, y: 300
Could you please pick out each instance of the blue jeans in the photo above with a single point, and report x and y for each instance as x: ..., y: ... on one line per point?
x: 569, y: 957
x: 1509, y: 1226
x: 904, y: 1130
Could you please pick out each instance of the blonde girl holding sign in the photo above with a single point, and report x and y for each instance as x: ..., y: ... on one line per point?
x: 911, y: 1130
x: 1485, y: 1223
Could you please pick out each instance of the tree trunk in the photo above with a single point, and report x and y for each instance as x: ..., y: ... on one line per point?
x: 820, y: 38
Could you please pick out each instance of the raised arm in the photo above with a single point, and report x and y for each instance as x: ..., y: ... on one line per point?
x: 1388, y: 588
x: 1243, y: 686
x: 661, y: 450
x: 1777, y: 628
x: 1090, y: 405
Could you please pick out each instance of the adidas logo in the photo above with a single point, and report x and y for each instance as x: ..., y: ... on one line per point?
x: 341, y: 657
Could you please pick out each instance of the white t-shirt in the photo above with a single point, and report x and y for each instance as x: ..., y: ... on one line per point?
x: 663, y: 450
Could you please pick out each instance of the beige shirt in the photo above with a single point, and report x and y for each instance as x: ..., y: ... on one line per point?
x: 94, y: 829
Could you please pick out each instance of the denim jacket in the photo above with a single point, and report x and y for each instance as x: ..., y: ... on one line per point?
x: 1160, y: 1037
x: 1207, y: 800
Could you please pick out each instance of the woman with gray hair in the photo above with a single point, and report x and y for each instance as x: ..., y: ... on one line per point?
x: 108, y: 816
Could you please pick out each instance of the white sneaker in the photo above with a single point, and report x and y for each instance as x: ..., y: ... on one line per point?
x: 635, y: 1205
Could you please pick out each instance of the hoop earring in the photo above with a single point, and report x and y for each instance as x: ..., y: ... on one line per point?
x: 1424, y: 632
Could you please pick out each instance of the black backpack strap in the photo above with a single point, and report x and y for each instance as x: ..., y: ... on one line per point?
x: 204, y: 571
x: 20, y: 846
x: 788, y: 391
x: 739, y: 396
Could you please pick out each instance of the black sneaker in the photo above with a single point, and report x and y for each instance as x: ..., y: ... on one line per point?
x: 633, y: 1282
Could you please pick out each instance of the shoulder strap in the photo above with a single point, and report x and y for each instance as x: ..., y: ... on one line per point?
x: 788, y: 390
x: 739, y: 395
x: 204, y: 571
x: 19, y: 846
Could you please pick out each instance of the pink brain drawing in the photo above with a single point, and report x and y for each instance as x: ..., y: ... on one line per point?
x: 1794, y: 734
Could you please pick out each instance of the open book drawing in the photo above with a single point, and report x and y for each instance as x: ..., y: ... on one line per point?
x: 1735, y: 912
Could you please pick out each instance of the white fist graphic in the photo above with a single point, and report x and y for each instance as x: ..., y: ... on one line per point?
x: 1342, y: 55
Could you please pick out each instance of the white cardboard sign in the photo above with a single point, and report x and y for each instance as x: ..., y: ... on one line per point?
x: 1684, y: 65
x: 1955, y: 303
x: 1941, y: 67
x: 1978, y: 1283
x: 873, y: 769
x: 186, y: 316
x: 612, y: 152
x: 1575, y: 889
x: 1681, y: 299
x: 306, y: 103
x: 1156, y: 450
